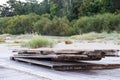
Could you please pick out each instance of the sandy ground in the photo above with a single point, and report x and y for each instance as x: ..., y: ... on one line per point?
x: 112, y: 74
x: 10, y: 74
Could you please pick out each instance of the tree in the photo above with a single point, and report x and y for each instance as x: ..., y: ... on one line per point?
x: 22, y: 24
x: 3, y: 25
x: 89, y: 7
x: 4, y: 10
x: 54, y: 10
x: 74, y: 11
x: 60, y: 8
x: 43, y: 26
x: 43, y: 7
x: 61, y: 27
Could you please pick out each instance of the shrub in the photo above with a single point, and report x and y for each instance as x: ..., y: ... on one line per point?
x: 98, y: 23
x: 61, y: 27
x: 22, y: 24
x: 37, y: 42
x: 3, y: 24
x: 43, y: 26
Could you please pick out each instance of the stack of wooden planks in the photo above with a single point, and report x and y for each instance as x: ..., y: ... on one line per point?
x: 69, y: 59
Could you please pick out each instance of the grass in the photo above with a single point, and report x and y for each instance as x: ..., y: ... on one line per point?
x: 98, y: 36
x: 38, y: 42
x: 88, y: 36
x: 25, y: 36
x: 5, y: 35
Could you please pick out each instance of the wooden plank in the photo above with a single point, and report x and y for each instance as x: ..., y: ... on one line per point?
x: 48, y: 56
x: 69, y: 65
x: 87, y: 67
x: 58, y: 57
x: 80, y: 52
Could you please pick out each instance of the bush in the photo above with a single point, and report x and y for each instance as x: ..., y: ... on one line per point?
x: 61, y: 27
x: 98, y: 23
x: 37, y: 42
x: 43, y: 26
x: 3, y: 25
x: 57, y: 26
x: 22, y: 24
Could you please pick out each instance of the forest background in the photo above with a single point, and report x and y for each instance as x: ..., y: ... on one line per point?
x: 60, y: 17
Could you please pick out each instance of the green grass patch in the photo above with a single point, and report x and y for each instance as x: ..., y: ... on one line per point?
x: 98, y: 36
x: 88, y: 36
x: 38, y: 42
x: 5, y: 35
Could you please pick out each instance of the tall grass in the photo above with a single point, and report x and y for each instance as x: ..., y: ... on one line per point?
x: 5, y: 35
x: 38, y: 42
x: 95, y: 36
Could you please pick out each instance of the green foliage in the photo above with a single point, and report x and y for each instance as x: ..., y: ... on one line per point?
x: 15, y: 7
x: 54, y: 10
x: 74, y: 12
x: 33, y: 23
x: 73, y: 9
x: 37, y: 42
x: 3, y: 24
x: 98, y: 23
x: 61, y: 27
x: 94, y: 7
x: 57, y: 26
x: 22, y: 24
x: 43, y: 26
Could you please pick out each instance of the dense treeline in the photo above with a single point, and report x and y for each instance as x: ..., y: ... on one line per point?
x: 73, y: 9
x: 33, y: 23
x: 59, y: 17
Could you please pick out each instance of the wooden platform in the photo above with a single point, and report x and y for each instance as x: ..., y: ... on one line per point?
x: 62, y: 66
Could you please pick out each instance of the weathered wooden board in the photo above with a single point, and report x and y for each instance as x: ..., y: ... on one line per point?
x: 69, y: 65
x: 69, y: 52
x: 65, y: 55
x: 55, y: 57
